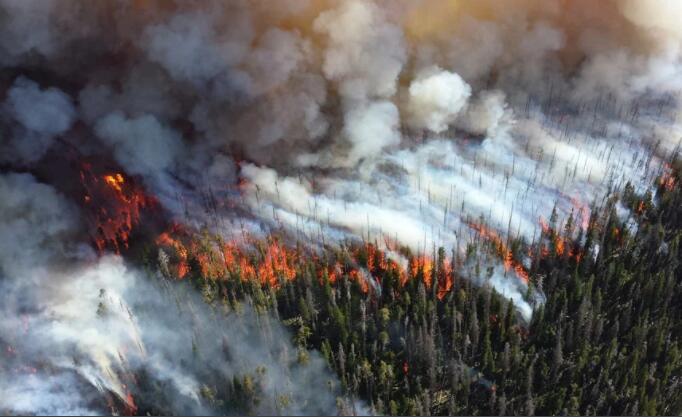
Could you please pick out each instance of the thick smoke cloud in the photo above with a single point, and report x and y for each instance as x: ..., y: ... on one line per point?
x: 39, y: 116
x: 390, y: 120
x: 37, y: 224
x: 142, y: 145
x: 364, y: 53
x: 436, y: 97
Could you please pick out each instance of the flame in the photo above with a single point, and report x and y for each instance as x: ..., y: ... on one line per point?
x: 334, y: 272
x: 271, y: 263
x: 165, y: 239
x: 641, y: 207
x: 521, y: 273
x: 445, y: 279
x: 560, y: 243
x: 115, y: 181
x: 510, y: 264
x: 376, y: 259
x: 560, y: 246
x: 114, y: 205
x: 359, y: 277
x: 583, y: 211
x: 667, y: 179
x: 423, y: 264
x: 378, y: 262
x: 277, y: 263
x: 130, y: 406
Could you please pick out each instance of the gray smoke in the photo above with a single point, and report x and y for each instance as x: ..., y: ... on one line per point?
x: 37, y: 117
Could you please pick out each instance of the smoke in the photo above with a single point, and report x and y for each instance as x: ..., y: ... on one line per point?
x: 142, y: 145
x: 37, y: 224
x: 76, y: 328
x: 102, y: 322
x: 488, y: 115
x: 404, y: 121
x: 192, y: 37
x: 436, y: 97
x: 370, y: 129
x: 39, y: 116
x: 661, y: 17
x: 364, y: 54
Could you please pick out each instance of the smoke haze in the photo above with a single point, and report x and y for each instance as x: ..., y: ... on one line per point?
x: 382, y: 120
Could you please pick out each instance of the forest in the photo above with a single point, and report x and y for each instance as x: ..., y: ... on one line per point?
x: 604, y: 338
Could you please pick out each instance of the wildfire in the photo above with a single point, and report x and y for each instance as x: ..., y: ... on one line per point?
x: 641, y: 208
x: 131, y: 407
x: 165, y: 239
x: 560, y: 246
x: 276, y: 263
x: 114, y: 205
x: 560, y: 243
x: 667, y: 180
x: 271, y: 263
x: 510, y: 264
x: 333, y: 273
x: 422, y: 264
x: 115, y: 181
x: 583, y: 211
x: 359, y: 277
x: 445, y: 279
x: 218, y: 260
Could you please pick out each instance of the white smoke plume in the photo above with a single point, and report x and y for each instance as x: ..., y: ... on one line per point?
x: 383, y: 120
x: 488, y: 115
x: 436, y: 97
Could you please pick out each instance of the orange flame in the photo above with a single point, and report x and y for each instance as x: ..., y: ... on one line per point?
x: 583, y: 211
x: 422, y: 264
x: 131, y: 407
x: 358, y: 277
x: 277, y: 263
x: 274, y: 263
x: 667, y: 180
x: 641, y: 207
x: 508, y: 258
x: 165, y: 239
x: 115, y: 206
x: 115, y: 181
x: 560, y: 243
x: 445, y: 279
